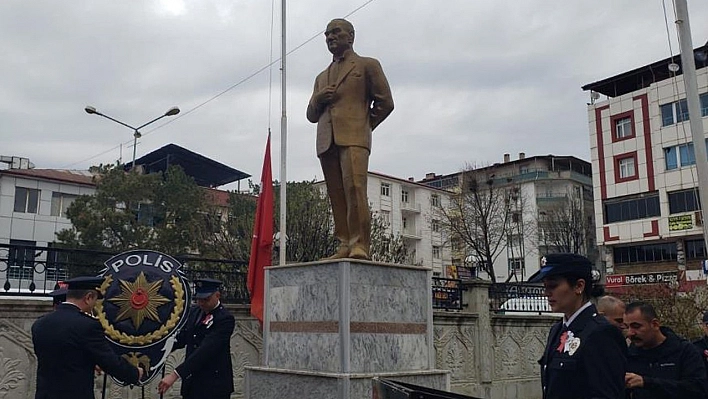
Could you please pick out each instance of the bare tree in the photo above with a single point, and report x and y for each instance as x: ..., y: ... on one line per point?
x: 566, y: 225
x: 480, y: 215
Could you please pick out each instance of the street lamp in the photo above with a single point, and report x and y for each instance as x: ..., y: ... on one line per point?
x: 136, y: 130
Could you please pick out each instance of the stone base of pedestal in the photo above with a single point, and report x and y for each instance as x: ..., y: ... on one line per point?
x: 331, y: 326
x: 348, y: 316
x: 270, y: 383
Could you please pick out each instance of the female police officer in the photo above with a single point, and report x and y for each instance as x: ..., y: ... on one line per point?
x: 585, y: 355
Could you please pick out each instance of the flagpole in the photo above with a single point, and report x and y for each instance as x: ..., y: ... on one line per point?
x: 283, y: 143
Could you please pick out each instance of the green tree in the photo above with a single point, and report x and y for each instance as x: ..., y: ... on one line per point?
x: 388, y: 247
x: 227, y: 233
x: 131, y: 210
x: 309, y: 222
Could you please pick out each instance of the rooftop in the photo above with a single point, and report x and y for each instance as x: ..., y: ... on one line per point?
x: 83, y: 177
x: 646, y: 75
x: 206, y: 172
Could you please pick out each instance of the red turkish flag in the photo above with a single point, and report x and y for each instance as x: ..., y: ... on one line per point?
x: 262, y: 244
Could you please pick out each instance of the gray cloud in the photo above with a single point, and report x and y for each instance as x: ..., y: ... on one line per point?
x: 471, y: 79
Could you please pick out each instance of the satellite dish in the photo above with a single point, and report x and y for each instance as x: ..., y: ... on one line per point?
x: 674, y: 67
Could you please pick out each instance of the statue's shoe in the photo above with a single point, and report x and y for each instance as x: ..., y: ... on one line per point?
x: 359, y: 253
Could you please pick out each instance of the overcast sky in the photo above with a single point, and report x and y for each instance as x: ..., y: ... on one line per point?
x: 471, y: 79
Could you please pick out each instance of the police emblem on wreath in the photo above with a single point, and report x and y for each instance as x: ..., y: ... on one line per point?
x: 145, y: 302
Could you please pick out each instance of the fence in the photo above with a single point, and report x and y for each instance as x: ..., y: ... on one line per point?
x: 518, y: 297
x: 447, y: 294
x: 35, y: 271
x: 31, y: 270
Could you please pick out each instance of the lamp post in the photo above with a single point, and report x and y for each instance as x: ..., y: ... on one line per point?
x: 136, y: 130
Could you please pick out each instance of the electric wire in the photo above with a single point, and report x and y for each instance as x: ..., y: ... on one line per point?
x: 221, y: 93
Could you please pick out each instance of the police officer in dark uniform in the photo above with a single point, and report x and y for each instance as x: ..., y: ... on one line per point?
x: 585, y: 356
x: 69, y: 343
x: 702, y: 343
x: 206, y: 371
x: 58, y: 297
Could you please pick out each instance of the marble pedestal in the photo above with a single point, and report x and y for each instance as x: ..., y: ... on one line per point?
x: 330, y: 326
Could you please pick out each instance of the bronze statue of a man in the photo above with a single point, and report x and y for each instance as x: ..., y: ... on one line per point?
x: 351, y: 97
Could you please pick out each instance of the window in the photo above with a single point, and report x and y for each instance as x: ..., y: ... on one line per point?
x: 632, y: 209
x: 667, y: 114
x: 145, y: 213
x: 686, y: 154
x: 681, y: 110
x: 26, y: 200
x: 695, y: 249
x: 385, y: 189
x: 516, y: 265
x: 434, y: 200
x: 626, y: 167
x: 680, y: 156
x: 404, y: 222
x: 663, y: 252
x: 386, y: 217
x: 515, y: 217
x: 60, y: 203
x: 671, y: 158
x: 21, y: 260
x: 674, y: 112
x: 704, y: 104
x: 683, y: 201
x: 435, y: 225
x: 404, y: 196
x: 514, y: 240
x: 623, y: 128
x: 455, y: 244
x: 436, y: 252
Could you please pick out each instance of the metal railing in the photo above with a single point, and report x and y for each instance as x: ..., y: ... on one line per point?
x: 35, y: 271
x: 518, y: 297
x: 447, y: 293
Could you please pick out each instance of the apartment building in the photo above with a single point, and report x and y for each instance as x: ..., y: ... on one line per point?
x: 644, y: 174
x: 544, y: 196
x: 407, y: 207
x: 33, y: 204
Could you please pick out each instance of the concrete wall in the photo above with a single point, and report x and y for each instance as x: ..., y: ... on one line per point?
x: 489, y: 355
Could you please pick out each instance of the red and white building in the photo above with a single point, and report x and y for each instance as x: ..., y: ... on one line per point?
x: 644, y: 175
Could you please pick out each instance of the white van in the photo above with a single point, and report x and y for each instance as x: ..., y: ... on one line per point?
x: 528, y: 306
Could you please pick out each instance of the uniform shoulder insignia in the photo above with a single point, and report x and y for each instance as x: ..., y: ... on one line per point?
x: 89, y: 315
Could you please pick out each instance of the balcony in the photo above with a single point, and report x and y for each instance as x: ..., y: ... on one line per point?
x: 410, y: 207
x: 412, y: 234
x: 551, y: 198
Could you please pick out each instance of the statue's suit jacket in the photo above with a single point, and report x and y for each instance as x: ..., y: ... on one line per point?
x: 362, y: 100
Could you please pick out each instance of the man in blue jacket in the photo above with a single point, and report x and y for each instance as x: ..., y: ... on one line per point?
x: 660, y: 364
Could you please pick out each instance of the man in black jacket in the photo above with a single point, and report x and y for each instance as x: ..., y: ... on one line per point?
x: 206, y: 371
x: 660, y: 364
x: 702, y: 343
x: 69, y: 343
